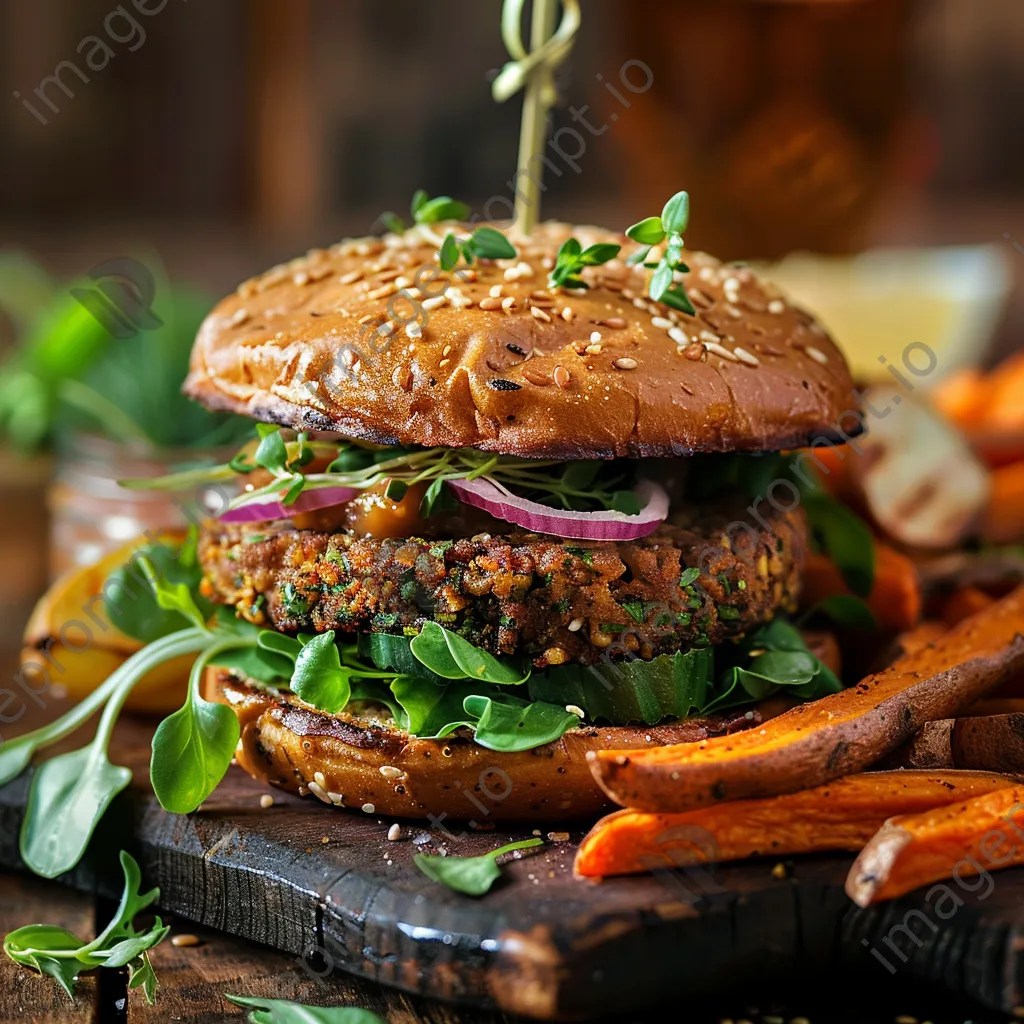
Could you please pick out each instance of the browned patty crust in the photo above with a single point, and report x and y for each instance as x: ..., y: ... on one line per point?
x: 556, y: 600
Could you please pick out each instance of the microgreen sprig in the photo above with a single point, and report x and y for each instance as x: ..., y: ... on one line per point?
x: 572, y: 258
x: 583, y: 485
x: 667, y: 228
x: 63, y: 956
x: 425, y: 210
x: 485, y: 243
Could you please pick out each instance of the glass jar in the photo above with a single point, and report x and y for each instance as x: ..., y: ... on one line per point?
x: 92, y: 515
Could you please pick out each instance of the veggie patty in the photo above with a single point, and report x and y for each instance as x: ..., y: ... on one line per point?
x: 520, y: 593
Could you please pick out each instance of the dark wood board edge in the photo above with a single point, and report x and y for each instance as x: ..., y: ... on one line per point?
x: 580, y: 965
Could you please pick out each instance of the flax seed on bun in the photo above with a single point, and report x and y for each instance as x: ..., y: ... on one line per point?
x: 499, y: 361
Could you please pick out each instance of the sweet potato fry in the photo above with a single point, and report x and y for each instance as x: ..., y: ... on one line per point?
x: 895, y: 598
x: 958, y: 841
x: 921, y: 636
x: 1002, y: 401
x: 978, y: 742
x: 962, y: 397
x: 963, y: 603
x: 834, y: 736
x: 842, y: 815
x: 1003, y: 518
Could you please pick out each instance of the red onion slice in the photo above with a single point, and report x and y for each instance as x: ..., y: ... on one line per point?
x: 307, y: 501
x: 485, y: 494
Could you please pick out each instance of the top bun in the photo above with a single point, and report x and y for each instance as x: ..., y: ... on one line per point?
x: 501, y: 362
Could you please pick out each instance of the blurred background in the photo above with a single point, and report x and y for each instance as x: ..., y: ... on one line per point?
x: 874, y: 147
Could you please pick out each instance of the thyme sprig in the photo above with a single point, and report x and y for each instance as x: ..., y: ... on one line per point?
x: 485, y: 243
x: 667, y: 228
x: 425, y: 210
x: 572, y: 258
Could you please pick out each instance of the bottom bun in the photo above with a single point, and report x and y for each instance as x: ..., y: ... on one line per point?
x: 362, y: 760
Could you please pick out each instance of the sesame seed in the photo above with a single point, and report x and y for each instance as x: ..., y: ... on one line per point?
x: 401, y: 377
x: 508, y: 303
x: 574, y: 709
x: 185, y: 940
x: 720, y: 350
x: 300, y: 278
x: 639, y: 303
x: 538, y: 314
x: 402, y: 282
x: 491, y: 302
x: 524, y: 268
x: 387, y: 275
x: 266, y: 801
x: 390, y: 772
x: 542, y: 380
x: 592, y: 350
x: 575, y: 625
x: 816, y: 354
x: 386, y: 329
x: 745, y: 357
x: 678, y: 335
x: 512, y: 274
x: 459, y: 301
x: 616, y: 323
x: 368, y: 808
x: 318, y: 778
x: 383, y: 291
x: 625, y: 363
x: 708, y: 337
x: 567, y: 314
x: 660, y: 321
x: 239, y: 317
x: 446, y: 350
x: 336, y: 798
x: 561, y: 375
x: 443, y: 363
x: 351, y: 277
x: 595, y: 336
x: 319, y: 792
x: 414, y: 330
x: 495, y: 292
x: 435, y: 302
x: 395, y: 832
x: 776, y: 306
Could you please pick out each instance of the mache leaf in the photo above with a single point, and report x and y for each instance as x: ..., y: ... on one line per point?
x: 450, y: 656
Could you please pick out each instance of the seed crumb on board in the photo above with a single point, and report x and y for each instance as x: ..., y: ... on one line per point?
x: 395, y: 832
x: 779, y: 871
x: 266, y: 801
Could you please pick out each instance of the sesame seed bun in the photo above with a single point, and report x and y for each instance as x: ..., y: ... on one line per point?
x: 501, y: 362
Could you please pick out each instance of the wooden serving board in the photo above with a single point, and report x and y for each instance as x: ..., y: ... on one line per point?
x: 326, y: 885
